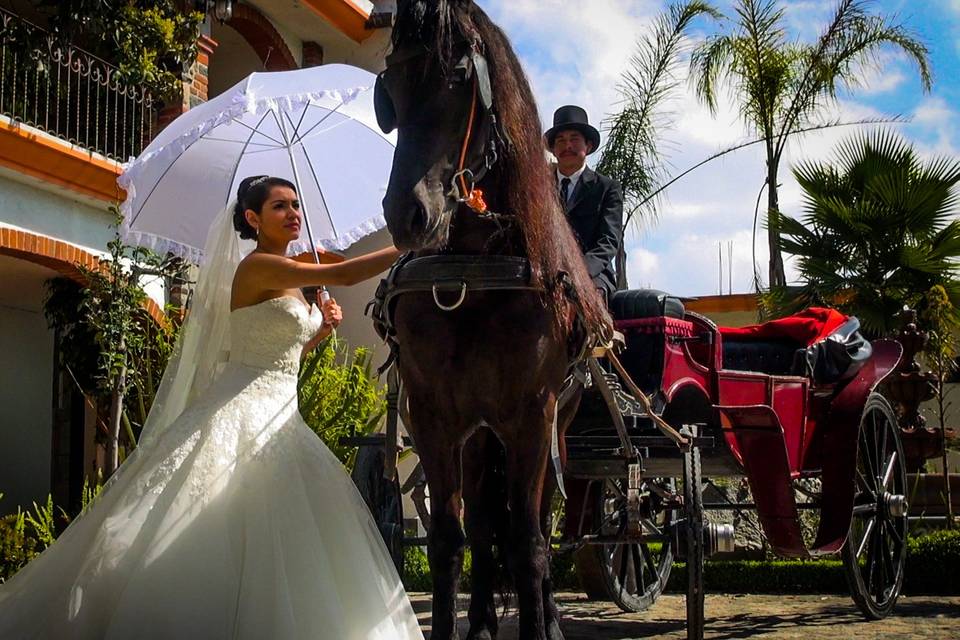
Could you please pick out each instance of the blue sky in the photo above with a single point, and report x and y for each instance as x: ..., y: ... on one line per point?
x: 574, y: 52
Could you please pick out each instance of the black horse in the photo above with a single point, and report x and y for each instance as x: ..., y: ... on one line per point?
x: 483, y: 370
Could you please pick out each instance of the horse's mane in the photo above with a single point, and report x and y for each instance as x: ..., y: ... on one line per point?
x: 528, y: 187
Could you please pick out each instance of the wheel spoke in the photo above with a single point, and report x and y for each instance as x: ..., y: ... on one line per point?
x: 866, y: 538
x: 871, y: 562
x: 624, y: 550
x: 888, y: 471
x: 648, y: 560
x: 877, y: 559
x: 868, y: 509
x: 638, y: 569
x: 890, y: 570
x: 892, y: 528
x: 865, y: 484
x: 877, y: 457
x: 883, y: 451
x: 651, y: 526
x: 870, y: 467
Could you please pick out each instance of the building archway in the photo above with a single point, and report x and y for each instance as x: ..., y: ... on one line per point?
x: 247, y: 42
x: 257, y: 29
x: 61, y: 257
x: 48, y: 424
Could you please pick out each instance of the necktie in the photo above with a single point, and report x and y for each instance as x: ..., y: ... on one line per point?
x: 565, y: 190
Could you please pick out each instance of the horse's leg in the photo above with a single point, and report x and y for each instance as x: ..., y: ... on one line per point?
x: 484, y: 504
x: 439, y: 453
x: 527, y: 441
x: 551, y: 615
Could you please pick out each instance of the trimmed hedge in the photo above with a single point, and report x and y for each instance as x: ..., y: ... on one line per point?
x: 933, y: 562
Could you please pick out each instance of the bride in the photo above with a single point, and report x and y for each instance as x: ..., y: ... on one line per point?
x: 231, y: 519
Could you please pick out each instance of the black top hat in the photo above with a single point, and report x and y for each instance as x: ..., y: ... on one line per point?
x: 573, y: 117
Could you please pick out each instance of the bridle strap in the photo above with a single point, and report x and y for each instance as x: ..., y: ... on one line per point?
x: 472, y: 196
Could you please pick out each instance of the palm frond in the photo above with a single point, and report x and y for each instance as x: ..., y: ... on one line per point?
x: 709, y: 64
x: 851, y: 41
x: 878, y: 230
x: 632, y: 154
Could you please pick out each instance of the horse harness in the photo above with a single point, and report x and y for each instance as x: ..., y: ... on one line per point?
x: 471, y: 66
x: 451, y: 277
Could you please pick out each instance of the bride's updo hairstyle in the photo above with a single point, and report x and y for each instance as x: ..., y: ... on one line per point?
x: 251, y: 194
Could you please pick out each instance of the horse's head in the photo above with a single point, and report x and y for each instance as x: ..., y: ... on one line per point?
x: 436, y: 92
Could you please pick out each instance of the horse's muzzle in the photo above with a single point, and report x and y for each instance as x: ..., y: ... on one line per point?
x: 414, y: 228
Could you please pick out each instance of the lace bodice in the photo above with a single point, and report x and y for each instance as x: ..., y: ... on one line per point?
x: 270, y: 335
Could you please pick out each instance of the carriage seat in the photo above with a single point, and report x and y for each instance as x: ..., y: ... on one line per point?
x: 644, y: 303
x: 821, y: 344
x: 773, y: 357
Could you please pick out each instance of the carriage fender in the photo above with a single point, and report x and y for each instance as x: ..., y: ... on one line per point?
x: 840, y: 437
x: 758, y: 434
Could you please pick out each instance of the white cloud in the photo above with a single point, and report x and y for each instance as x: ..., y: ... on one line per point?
x: 643, y: 268
x: 574, y: 52
x: 933, y: 112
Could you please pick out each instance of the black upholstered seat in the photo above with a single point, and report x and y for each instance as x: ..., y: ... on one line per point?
x: 773, y: 357
x: 644, y: 303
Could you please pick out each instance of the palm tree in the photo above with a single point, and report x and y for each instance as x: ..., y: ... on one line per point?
x: 781, y: 85
x: 880, y: 230
x: 632, y: 155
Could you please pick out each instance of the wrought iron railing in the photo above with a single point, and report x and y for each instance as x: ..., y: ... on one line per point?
x: 70, y: 93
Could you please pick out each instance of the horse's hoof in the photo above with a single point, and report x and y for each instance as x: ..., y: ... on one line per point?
x: 553, y: 631
x: 482, y: 634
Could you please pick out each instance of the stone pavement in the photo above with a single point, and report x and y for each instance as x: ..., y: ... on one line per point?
x: 806, y: 617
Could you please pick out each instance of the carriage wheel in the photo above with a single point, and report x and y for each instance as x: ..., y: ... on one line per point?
x: 383, y: 498
x: 694, y: 542
x: 875, y: 552
x: 632, y: 576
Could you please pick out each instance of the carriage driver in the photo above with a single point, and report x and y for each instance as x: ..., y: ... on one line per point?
x: 593, y: 202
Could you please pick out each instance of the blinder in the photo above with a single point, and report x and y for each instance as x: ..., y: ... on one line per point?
x: 383, y: 106
x: 471, y: 63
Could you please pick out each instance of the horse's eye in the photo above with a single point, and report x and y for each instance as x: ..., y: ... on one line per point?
x: 461, y: 72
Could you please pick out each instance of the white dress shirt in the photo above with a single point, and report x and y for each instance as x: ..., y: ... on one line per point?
x: 574, y: 179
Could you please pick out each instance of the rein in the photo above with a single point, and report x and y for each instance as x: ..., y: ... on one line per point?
x: 472, y: 196
x: 468, y: 193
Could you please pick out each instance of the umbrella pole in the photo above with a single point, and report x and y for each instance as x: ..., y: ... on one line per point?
x: 324, y: 294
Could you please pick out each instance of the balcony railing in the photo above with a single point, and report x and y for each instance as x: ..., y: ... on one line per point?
x: 70, y: 93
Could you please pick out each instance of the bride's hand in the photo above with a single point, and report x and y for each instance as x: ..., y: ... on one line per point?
x: 332, y: 313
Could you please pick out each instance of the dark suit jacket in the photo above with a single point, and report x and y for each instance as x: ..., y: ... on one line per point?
x: 595, y: 213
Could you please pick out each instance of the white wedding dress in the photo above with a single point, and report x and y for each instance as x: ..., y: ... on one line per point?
x: 236, y: 523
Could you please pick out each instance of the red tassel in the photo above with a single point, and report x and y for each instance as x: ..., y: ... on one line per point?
x: 476, y: 202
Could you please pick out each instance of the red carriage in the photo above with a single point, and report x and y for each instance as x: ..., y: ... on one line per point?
x: 778, y: 403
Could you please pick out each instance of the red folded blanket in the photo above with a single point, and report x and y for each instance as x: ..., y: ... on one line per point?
x: 807, y: 327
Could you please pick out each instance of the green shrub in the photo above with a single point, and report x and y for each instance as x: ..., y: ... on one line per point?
x: 339, y: 396
x: 765, y: 576
x: 933, y: 562
x: 23, y: 535
x: 17, y: 547
x: 416, y: 570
